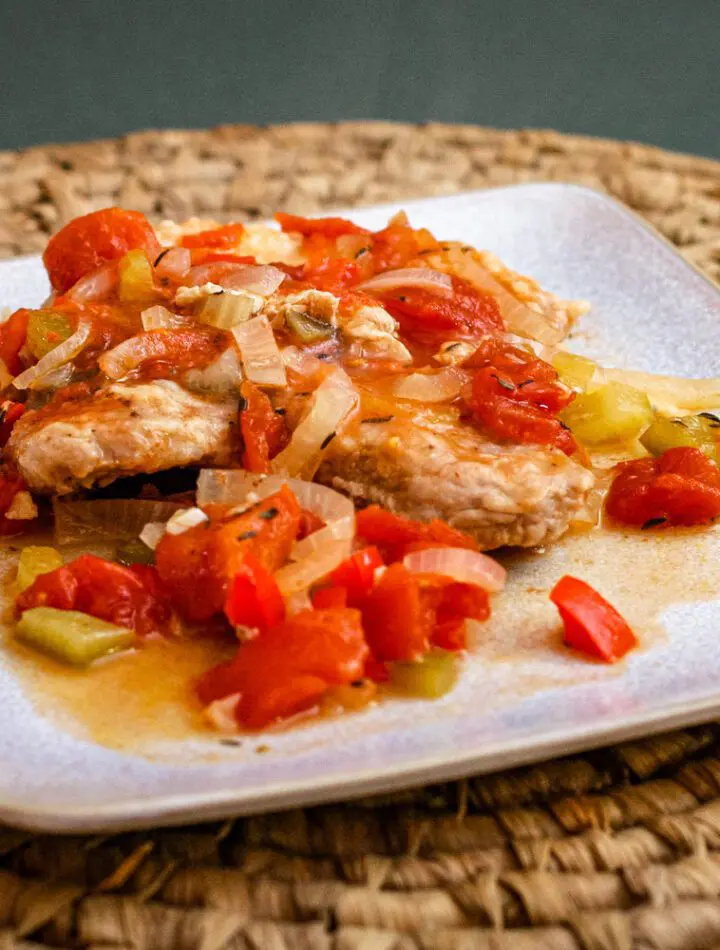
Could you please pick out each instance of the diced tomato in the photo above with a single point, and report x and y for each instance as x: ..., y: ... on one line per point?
x: 328, y: 227
x: 327, y: 597
x: 425, y: 315
x: 289, y: 667
x: 264, y: 432
x: 229, y: 235
x: 395, y: 535
x: 592, y: 625
x: 458, y: 603
x: 13, y: 333
x: 198, y: 564
x: 397, y: 621
x: 333, y: 274
x: 376, y: 670
x: 254, y: 598
x: 208, y: 255
x: 394, y: 246
x: 89, y: 241
x: 10, y: 412
x: 103, y: 589
x: 681, y: 487
x: 309, y: 524
x: 163, y: 353
x: 357, y: 574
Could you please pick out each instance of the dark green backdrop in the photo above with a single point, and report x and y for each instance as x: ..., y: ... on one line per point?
x: 642, y: 69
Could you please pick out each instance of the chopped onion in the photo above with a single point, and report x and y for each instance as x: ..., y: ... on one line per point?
x: 185, y: 518
x: 226, y: 311
x: 466, y: 567
x: 95, y: 286
x: 174, y: 263
x: 63, y: 353
x: 22, y: 508
x: 303, y: 574
x: 61, y: 376
x: 159, y: 318
x: 220, y: 378
x: 432, y: 387
x: 153, y: 533
x: 296, y: 603
x: 422, y: 278
x: 263, y: 279
x: 300, y: 361
x: 332, y: 402
x: 221, y: 713
x: 259, y: 352
x: 107, y: 519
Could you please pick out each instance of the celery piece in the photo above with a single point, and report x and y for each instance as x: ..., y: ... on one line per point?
x: 72, y: 637
x: 136, y: 284
x: 429, y: 678
x: 700, y: 432
x: 46, y: 329
x: 307, y: 328
x: 34, y: 561
x: 575, y: 371
x: 611, y: 413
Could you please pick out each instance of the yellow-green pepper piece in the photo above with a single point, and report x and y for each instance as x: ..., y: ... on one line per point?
x: 609, y: 414
x: 46, y: 330
x: 700, y: 432
x: 308, y: 328
x: 34, y: 561
x: 575, y: 371
x: 136, y: 284
x: 429, y: 678
x: 70, y: 636
x: 134, y: 552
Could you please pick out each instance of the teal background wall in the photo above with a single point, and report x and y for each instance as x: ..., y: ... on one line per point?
x: 642, y: 69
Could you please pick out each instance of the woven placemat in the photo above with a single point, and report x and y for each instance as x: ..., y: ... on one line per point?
x: 612, y: 850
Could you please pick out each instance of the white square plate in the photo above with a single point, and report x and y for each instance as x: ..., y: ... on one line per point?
x: 520, y: 697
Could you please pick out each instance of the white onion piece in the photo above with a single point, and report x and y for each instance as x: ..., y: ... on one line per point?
x: 159, y: 318
x: 431, y: 387
x: 219, y: 378
x: 296, y: 603
x: 422, y: 278
x: 174, y: 263
x: 124, y: 357
x: 221, y: 713
x: 96, y: 285
x: 184, y: 519
x: 62, y: 376
x: 153, y: 533
x: 259, y: 352
x: 332, y: 402
x: 466, y: 567
x: 303, y: 574
x: 227, y: 310
x: 263, y: 279
x: 63, y: 353
x: 301, y: 362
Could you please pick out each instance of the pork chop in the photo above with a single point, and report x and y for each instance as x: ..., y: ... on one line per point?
x: 124, y: 429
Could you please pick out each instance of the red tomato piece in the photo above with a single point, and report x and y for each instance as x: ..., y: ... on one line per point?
x: 681, y: 487
x: 395, y: 535
x: 309, y: 524
x: 10, y: 412
x: 357, y: 574
x: 397, y: 621
x: 254, y: 598
x: 592, y: 625
x: 458, y: 603
x: 102, y: 589
x: 425, y: 315
x: 89, y: 241
x: 328, y: 227
x: 162, y: 353
x: 208, y: 255
x: 376, y: 670
x: 264, y: 432
x: 328, y: 597
x: 290, y: 666
x: 228, y: 235
x: 13, y: 333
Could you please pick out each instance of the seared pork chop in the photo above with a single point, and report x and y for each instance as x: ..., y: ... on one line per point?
x: 124, y: 429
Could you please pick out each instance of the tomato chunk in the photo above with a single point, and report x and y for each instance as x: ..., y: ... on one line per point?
x: 10, y: 412
x: 592, y: 625
x: 425, y: 315
x: 680, y: 487
x: 458, y: 603
x: 254, y: 598
x: 357, y: 574
x: 89, y: 241
x: 395, y: 535
x: 264, y: 432
x: 288, y: 668
x: 330, y: 597
x: 227, y: 236
x: 328, y: 227
x: 397, y: 620
x: 13, y: 333
x: 92, y: 585
x: 198, y: 565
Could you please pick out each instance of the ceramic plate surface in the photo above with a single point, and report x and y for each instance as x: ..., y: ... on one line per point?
x: 520, y: 698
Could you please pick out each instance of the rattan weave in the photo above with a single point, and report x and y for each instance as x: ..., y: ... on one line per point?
x: 613, y: 850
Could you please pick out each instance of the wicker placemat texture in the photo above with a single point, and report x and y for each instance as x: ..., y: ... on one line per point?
x: 612, y: 850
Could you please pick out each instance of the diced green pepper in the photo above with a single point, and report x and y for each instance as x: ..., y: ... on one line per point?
x: 46, y: 330
x: 136, y: 284
x: 34, y: 561
x: 134, y: 552
x: 70, y: 636
x: 430, y: 678
x: 700, y: 432
x: 575, y: 371
x: 308, y: 328
x: 611, y: 413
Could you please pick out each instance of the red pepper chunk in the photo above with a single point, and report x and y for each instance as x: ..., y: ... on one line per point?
x: 329, y: 597
x: 357, y: 574
x: 290, y: 666
x: 13, y: 333
x: 94, y: 239
x: 592, y: 625
x: 227, y: 236
x: 102, y: 589
x: 254, y: 598
x: 395, y: 535
x: 328, y: 227
x: 397, y: 619
x: 458, y: 603
x: 264, y: 432
x: 424, y: 314
x: 681, y: 487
